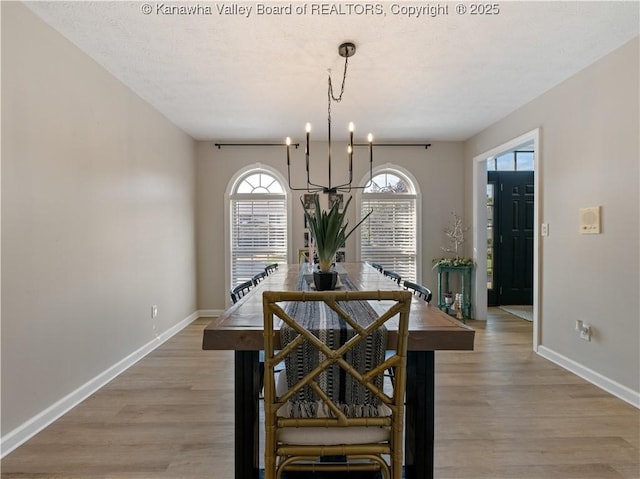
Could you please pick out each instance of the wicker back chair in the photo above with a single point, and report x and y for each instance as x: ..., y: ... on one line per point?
x: 295, y: 442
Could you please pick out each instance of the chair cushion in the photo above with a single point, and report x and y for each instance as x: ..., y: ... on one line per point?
x: 326, y: 436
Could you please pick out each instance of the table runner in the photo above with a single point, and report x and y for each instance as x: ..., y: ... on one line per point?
x: 345, y: 391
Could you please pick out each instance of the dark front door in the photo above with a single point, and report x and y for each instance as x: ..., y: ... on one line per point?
x: 513, y: 244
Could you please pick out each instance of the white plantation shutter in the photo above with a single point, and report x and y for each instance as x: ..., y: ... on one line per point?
x: 388, y: 236
x: 258, y: 230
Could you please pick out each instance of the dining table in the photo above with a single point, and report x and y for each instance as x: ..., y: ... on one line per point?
x: 240, y: 329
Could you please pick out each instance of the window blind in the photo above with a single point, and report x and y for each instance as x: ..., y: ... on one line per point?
x: 388, y: 236
x: 258, y: 234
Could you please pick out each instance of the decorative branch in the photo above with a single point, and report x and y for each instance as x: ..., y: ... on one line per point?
x: 455, y: 232
x: 455, y: 235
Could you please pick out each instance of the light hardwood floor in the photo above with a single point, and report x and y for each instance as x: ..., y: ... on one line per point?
x: 501, y: 412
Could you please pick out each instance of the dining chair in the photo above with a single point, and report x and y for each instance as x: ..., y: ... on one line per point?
x: 270, y: 268
x: 241, y: 290
x: 332, y: 401
x: 377, y: 266
x: 426, y: 293
x: 258, y: 277
x: 393, y: 275
x: 419, y: 290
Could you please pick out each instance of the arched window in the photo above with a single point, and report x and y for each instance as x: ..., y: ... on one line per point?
x: 389, y: 235
x: 258, y: 224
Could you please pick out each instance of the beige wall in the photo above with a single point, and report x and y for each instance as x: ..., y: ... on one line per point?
x: 438, y: 171
x: 98, y: 219
x: 589, y: 156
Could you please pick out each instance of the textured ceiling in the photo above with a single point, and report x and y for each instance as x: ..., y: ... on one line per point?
x: 227, y: 75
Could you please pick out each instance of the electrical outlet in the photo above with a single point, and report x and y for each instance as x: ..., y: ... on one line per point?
x: 154, y: 311
x: 584, y: 330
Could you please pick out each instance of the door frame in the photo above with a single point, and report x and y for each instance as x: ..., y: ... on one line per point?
x: 480, y: 226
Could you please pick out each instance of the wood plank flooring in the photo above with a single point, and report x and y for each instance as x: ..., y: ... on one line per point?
x: 501, y: 412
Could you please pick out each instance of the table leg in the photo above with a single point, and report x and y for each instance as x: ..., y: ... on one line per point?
x: 419, y: 428
x: 247, y: 378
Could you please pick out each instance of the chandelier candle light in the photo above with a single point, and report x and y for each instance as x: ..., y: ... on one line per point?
x: 345, y: 50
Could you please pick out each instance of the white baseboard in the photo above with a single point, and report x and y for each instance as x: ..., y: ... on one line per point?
x: 612, y: 387
x: 30, y: 428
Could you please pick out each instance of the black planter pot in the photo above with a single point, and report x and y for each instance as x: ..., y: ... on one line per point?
x: 325, y: 281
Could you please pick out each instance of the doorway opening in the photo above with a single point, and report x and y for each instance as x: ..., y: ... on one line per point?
x: 517, y: 268
x: 510, y: 200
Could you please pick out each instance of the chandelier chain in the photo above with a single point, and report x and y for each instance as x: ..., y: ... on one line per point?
x: 330, y: 95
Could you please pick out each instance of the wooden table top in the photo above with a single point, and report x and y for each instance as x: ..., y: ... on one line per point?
x: 240, y: 327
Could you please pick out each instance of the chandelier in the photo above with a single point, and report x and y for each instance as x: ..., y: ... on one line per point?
x: 345, y: 50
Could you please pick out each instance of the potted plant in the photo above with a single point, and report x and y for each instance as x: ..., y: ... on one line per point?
x: 329, y: 232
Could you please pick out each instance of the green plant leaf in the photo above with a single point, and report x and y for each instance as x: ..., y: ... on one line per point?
x: 329, y: 229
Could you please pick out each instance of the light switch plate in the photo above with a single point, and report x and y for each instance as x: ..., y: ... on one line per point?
x: 590, y: 220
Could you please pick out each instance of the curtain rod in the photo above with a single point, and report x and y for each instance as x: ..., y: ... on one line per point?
x: 220, y: 145
x: 425, y: 145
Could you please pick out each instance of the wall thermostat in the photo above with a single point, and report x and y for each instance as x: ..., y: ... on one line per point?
x: 590, y: 220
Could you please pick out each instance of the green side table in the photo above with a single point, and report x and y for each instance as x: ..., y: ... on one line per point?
x: 466, y: 282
